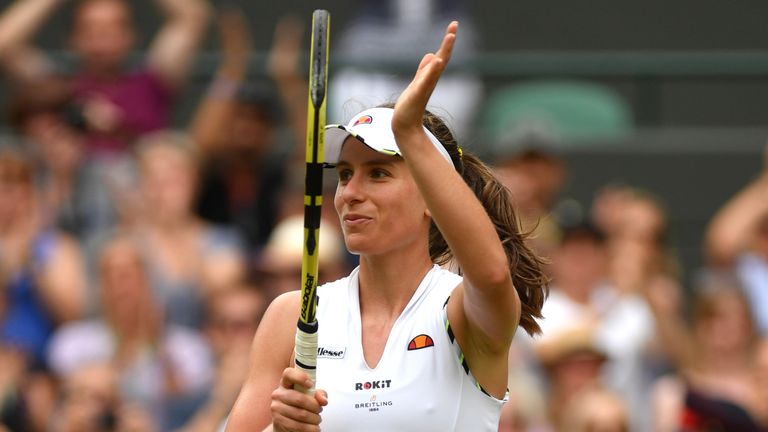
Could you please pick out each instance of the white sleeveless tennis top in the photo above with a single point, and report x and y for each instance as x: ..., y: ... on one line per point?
x: 421, y: 383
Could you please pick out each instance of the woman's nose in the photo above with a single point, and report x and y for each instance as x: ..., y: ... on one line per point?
x: 352, y: 190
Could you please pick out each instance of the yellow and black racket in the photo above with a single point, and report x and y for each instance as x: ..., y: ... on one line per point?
x: 307, y: 331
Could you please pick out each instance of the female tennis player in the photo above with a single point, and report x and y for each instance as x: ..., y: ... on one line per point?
x: 405, y: 344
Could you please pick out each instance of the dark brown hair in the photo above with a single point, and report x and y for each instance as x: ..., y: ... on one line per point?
x: 525, y: 266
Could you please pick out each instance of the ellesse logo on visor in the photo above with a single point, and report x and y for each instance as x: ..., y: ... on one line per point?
x: 366, y: 119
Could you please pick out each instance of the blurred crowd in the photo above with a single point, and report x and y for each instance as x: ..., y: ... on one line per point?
x: 137, y: 256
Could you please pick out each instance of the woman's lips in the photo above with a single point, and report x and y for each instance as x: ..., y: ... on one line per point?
x: 353, y: 219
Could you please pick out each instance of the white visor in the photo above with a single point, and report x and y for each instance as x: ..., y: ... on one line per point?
x: 373, y: 127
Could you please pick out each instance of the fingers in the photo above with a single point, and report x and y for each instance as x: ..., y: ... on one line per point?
x: 427, y: 59
x: 321, y: 396
x: 427, y: 76
x: 281, y: 423
x: 293, y: 410
x: 432, y: 65
x: 411, y: 104
x: 281, y: 407
x: 446, y: 47
x: 292, y: 377
x: 449, y: 40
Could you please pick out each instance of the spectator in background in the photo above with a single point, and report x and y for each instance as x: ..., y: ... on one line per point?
x: 278, y: 268
x: 715, y: 359
x: 396, y: 33
x: 41, y: 269
x: 636, y: 226
x: 534, y: 174
x: 188, y: 259
x: 572, y: 363
x: 583, y: 292
x: 91, y: 402
x: 27, y: 395
x: 160, y: 367
x: 117, y: 101
x: 738, y: 236
x: 74, y: 198
x: 639, y: 260
x: 236, y: 128
x: 231, y: 322
x: 596, y: 410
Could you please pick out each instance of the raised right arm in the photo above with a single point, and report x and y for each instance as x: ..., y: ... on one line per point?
x: 18, y: 25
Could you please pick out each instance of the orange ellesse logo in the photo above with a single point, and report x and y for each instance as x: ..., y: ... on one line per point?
x: 419, y: 342
x: 366, y: 119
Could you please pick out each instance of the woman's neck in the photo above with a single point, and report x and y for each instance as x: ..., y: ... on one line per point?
x: 387, y: 282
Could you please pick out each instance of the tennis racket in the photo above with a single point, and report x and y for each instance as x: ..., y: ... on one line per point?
x: 307, y: 328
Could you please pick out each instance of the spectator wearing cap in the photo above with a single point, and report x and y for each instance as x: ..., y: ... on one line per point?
x: 572, y: 364
x: 278, y: 267
x: 582, y: 292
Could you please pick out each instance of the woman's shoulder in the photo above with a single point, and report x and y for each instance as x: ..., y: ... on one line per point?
x: 278, y: 326
x: 338, y: 283
x: 444, y: 279
x: 437, y: 287
x: 340, y: 287
x: 446, y: 274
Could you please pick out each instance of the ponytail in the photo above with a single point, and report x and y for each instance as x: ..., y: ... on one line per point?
x: 525, y: 267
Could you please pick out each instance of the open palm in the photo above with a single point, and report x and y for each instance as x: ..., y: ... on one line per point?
x: 410, y: 106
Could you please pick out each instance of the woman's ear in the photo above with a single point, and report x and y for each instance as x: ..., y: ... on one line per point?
x: 428, y: 213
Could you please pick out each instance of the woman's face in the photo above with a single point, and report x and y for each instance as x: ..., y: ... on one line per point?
x: 169, y: 179
x: 379, y: 206
x: 121, y: 271
x: 103, y: 34
x: 728, y: 328
x: 640, y: 219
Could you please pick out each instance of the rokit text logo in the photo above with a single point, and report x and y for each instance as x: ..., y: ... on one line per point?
x: 369, y: 385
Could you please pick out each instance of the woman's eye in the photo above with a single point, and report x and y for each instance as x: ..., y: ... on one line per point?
x: 379, y: 173
x: 344, y: 175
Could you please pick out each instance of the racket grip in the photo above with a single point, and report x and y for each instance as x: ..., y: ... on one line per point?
x: 305, y: 352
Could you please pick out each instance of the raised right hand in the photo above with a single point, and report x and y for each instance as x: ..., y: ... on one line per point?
x: 293, y: 410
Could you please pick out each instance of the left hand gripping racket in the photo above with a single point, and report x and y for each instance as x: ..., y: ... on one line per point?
x: 307, y: 328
